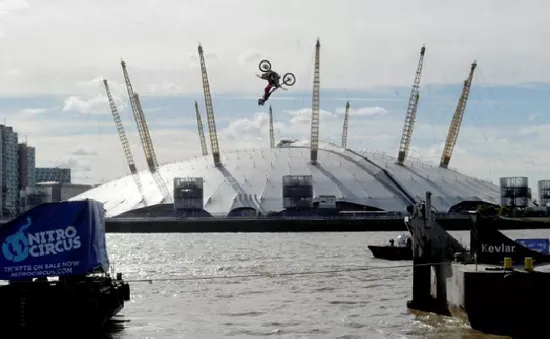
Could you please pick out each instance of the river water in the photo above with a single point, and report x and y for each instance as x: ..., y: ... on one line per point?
x: 361, y: 304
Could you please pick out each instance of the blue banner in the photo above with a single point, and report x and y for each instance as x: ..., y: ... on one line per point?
x: 54, y: 239
x: 539, y: 245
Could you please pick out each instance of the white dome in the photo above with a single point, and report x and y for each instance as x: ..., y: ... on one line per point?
x: 253, y: 178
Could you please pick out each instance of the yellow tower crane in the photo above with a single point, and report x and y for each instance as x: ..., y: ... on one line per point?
x: 314, y: 143
x: 345, y: 128
x: 145, y: 136
x: 209, y: 111
x: 454, y: 129
x: 124, y: 141
x: 271, y: 133
x: 201, y: 130
x: 410, y: 118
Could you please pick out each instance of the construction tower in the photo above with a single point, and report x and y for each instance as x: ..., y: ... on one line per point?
x: 124, y: 141
x: 345, y: 128
x: 209, y: 112
x: 201, y: 130
x: 271, y: 133
x: 145, y: 137
x: 410, y: 118
x: 454, y: 129
x: 314, y: 142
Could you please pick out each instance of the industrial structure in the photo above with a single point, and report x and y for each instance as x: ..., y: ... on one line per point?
x: 410, y: 117
x: 301, y: 177
x: 271, y: 132
x: 314, y: 142
x: 124, y: 141
x: 456, y: 122
x: 209, y: 111
x: 200, y: 128
x: 515, y: 192
x: 145, y: 137
x: 345, y: 128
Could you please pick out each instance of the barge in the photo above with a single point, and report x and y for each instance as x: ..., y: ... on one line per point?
x: 54, y: 260
x: 498, y: 286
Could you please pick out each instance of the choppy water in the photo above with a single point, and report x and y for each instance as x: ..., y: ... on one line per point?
x: 366, y: 304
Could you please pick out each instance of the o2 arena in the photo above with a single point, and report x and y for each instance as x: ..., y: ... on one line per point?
x: 310, y: 180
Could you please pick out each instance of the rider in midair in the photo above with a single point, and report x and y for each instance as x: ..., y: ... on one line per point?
x: 272, y: 84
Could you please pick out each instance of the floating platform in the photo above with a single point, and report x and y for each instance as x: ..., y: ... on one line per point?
x: 501, y: 302
x: 83, y: 305
x: 498, y: 286
x: 55, y: 262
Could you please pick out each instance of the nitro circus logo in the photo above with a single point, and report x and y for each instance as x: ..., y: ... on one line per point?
x: 18, y: 246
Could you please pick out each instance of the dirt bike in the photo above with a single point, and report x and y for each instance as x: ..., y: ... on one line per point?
x: 288, y: 79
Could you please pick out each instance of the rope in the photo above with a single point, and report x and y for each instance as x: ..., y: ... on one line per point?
x: 276, y: 275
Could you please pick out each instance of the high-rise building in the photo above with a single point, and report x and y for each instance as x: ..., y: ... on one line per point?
x: 49, y: 174
x: 10, y: 171
x: 27, y: 165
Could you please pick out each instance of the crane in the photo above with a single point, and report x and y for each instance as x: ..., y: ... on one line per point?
x: 454, y: 129
x: 314, y: 143
x: 271, y: 134
x: 345, y: 129
x: 144, y: 135
x: 156, y: 175
x: 201, y: 130
x: 209, y: 112
x: 408, y: 126
x: 124, y: 141
x: 416, y: 101
x: 147, y: 147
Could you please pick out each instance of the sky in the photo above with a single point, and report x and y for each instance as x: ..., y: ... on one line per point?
x: 54, y: 55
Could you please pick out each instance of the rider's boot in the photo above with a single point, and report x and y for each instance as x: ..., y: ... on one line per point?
x: 260, y: 102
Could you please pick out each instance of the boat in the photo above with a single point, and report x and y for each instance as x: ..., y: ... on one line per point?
x: 498, y: 286
x: 401, y: 251
x: 55, y: 262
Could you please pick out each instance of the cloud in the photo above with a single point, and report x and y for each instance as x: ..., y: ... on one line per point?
x: 533, y: 116
x: 32, y: 111
x: 82, y: 151
x: 251, y: 56
x: 162, y: 59
x: 537, y: 131
x: 7, y: 6
x: 98, y: 104
x: 254, y: 126
x: 165, y: 89
x: 376, y: 110
x: 78, y: 167
x: 303, y: 116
